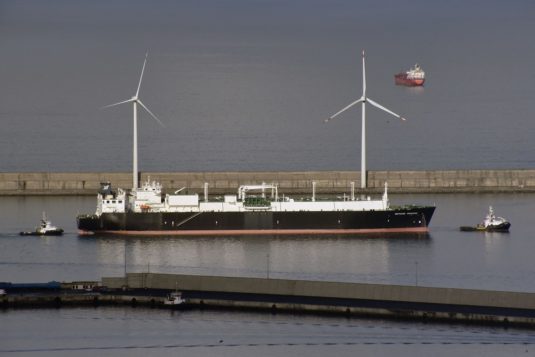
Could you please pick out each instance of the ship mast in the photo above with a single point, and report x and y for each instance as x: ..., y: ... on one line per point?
x: 363, y: 99
x: 135, y: 101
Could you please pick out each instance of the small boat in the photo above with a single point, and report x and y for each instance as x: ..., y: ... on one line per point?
x: 44, y: 229
x: 414, y: 77
x: 490, y: 224
x: 174, y: 299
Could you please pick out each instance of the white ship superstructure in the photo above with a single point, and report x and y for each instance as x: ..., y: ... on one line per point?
x: 264, y: 197
x: 416, y: 73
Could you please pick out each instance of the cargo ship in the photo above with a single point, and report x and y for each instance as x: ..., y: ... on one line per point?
x: 254, y: 209
x: 414, y: 77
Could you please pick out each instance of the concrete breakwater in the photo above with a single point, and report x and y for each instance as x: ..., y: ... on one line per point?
x: 447, y: 181
x: 295, y: 296
x: 337, y: 297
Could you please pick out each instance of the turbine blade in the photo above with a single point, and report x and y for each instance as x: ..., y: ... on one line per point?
x: 363, y: 74
x: 141, y: 77
x: 148, y: 111
x: 379, y: 106
x: 346, y: 108
x: 115, y: 104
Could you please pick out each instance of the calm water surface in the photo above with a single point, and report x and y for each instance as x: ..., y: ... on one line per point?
x: 444, y: 257
x: 150, y: 332
x: 246, y: 85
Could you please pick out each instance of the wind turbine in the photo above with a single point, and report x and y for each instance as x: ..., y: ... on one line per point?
x: 363, y: 100
x: 135, y: 101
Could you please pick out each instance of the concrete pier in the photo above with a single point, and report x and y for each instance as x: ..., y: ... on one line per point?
x: 295, y: 296
x: 70, y: 183
x: 393, y: 301
x: 347, y: 298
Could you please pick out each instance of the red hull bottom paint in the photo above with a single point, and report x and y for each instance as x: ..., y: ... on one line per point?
x: 409, y: 82
x: 232, y: 232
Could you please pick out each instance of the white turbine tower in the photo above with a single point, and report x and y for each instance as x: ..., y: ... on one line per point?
x: 135, y: 101
x: 363, y: 100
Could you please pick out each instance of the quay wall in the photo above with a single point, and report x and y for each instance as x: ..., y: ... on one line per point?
x: 295, y: 296
x: 428, y: 181
x: 395, y: 301
x: 417, y: 294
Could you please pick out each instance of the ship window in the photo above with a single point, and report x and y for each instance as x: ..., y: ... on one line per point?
x: 113, y: 201
x: 120, y: 201
x: 107, y: 201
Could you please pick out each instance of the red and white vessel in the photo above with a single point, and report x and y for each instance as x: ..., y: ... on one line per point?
x: 414, y: 77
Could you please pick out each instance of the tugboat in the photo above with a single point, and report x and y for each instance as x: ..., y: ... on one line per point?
x: 44, y: 229
x: 490, y: 224
x: 414, y: 77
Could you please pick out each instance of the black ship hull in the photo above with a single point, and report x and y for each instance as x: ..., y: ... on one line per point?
x: 409, y: 219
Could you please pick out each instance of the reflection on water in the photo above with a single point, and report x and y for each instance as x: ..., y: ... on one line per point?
x: 339, y: 257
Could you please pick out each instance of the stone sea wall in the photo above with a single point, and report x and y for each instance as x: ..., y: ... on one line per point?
x: 432, y: 181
